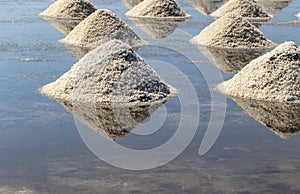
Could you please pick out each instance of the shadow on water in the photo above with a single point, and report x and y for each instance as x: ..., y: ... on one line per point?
x: 206, y: 7
x: 282, y: 119
x: 230, y: 60
x: 109, y: 121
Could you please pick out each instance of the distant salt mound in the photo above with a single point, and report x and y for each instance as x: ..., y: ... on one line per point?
x: 131, y: 3
x: 158, y: 9
x: 274, y: 76
x: 101, y: 26
x: 274, y: 6
x: 69, y: 9
x: 110, y: 74
x: 298, y: 15
x: 232, y: 31
x: 249, y: 9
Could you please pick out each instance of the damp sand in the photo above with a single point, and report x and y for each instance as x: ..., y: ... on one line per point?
x: 101, y: 26
x: 110, y: 74
x: 157, y: 9
x: 274, y: 76
x: 232, y: 31
x: 69, y: 9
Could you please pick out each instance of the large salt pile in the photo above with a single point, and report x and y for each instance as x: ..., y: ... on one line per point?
x: 131, y: 3
x: 69, y: 9
x: 206, y: 6
x: 274, y: 76
x: 111, y: 73
x: 232, y: 31
x: 281, y: 118
x: 111, y: 122
x: 158, y: 9
x: 249, y: 9
x: 99, y: 27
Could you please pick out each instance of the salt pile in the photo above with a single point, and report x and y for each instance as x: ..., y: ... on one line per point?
x: 99, y: 27
x: 206, y: 6
x: 110, y: 74
x: 111, y: 122
x: 283, y: 119
x: 158, y: 9
x: 232, y: 31
x: 274, y: 76
x: 249, y: 9
x: 298, y: 15
x: 131, y: 3
x: 69, y: 9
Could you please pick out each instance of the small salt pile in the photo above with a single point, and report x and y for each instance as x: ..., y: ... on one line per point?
x: 101, y: 26
x: 131, y: 3
x: 274, y: 76
x: 298, y: 15
x: 110, y: 74
x: 158, y: 9
x: 69, y: 9
x: 232, y: 31
x: 249, y: 9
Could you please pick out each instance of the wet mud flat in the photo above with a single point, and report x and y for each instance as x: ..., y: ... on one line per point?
x: 41, y: 150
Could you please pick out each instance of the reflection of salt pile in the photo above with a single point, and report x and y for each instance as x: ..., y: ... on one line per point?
x: 131, y: 3
x: 111, y: 73
x: 230, y: 60
x: 64, y: 26
x: 283, y: 119
x: 206, y: 6
x: 78, y: 52
x: 157, y: 30
x: 101, y: 26
x: 274, y: 76
x: 232, y: 31
x: 274, y: 6
x: 111, y: 122
x: 157, y: 9
x: 249, y: 9
x: 69, y: 9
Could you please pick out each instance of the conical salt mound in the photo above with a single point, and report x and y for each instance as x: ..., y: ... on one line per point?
x: 101, y: 26
x: 69, y: 9
x: 232, y: 31
x: 131, y: 3
x: 110, y: 74
x: 298, y: 15
x: 274, y: 76
x: 249, y: 9
x: 157, y: 9
x: 281, y: 118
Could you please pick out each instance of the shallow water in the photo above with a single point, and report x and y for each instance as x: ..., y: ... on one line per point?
x: 41, y: 150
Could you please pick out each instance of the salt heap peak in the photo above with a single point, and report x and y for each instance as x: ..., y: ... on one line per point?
x: 158, y: 9
x: 232, y: 31
x: 274, y: 76
x: 101, y: 26
x: 110, y: 74
x: 249, y: 9
x: 69, y: 9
